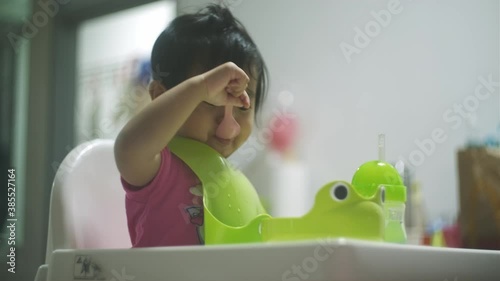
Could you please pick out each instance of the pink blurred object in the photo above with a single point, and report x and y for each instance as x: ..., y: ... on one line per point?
x: 284, y: 130
x: 452, y: 236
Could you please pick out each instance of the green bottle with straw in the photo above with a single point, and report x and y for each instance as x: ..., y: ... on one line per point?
x: 373, y: 174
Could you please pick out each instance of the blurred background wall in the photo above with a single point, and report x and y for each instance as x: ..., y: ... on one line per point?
x: 425, y: 73
x: 414, y: 70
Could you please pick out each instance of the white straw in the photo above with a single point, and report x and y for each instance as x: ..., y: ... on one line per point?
x: 381, y: 147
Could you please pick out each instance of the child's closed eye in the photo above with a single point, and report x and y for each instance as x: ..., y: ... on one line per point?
x: 240, y: 108
x: 244, y: 108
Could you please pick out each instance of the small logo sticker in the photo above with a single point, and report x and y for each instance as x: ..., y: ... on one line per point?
x: 86, y: 269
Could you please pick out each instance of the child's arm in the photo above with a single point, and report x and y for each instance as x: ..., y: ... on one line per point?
x: 140, y: 142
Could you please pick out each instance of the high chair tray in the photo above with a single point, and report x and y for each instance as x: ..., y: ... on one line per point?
x: 332, y: 259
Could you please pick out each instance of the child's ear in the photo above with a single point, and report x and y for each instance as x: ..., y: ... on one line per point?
x: 156, y: 89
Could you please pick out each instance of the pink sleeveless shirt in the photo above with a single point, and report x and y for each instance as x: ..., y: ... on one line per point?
x: 169, y: 210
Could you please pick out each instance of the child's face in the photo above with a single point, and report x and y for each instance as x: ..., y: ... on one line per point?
x: 204, y: 124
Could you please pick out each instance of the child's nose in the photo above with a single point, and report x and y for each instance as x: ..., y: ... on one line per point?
x: 228, y: 127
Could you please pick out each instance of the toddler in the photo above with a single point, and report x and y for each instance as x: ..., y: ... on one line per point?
x: 209, y: 81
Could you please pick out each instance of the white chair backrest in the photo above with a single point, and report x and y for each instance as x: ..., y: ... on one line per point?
x: 87, y: 206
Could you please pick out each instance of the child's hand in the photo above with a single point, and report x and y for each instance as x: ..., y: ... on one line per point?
x: 138, y: 146
x: 226, y: 85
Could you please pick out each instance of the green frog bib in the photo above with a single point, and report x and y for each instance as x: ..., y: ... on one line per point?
x: 232, y: 208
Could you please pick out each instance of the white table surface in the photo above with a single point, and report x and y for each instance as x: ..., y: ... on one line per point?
x: 328, y: 259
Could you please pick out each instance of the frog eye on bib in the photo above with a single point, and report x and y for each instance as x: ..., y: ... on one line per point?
x: 339, y: 192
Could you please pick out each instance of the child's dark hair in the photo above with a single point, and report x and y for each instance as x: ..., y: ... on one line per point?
x: 203, y: 41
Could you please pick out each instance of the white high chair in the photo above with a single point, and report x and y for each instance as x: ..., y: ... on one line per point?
x: 87, y: 211
x: 87, y: 205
